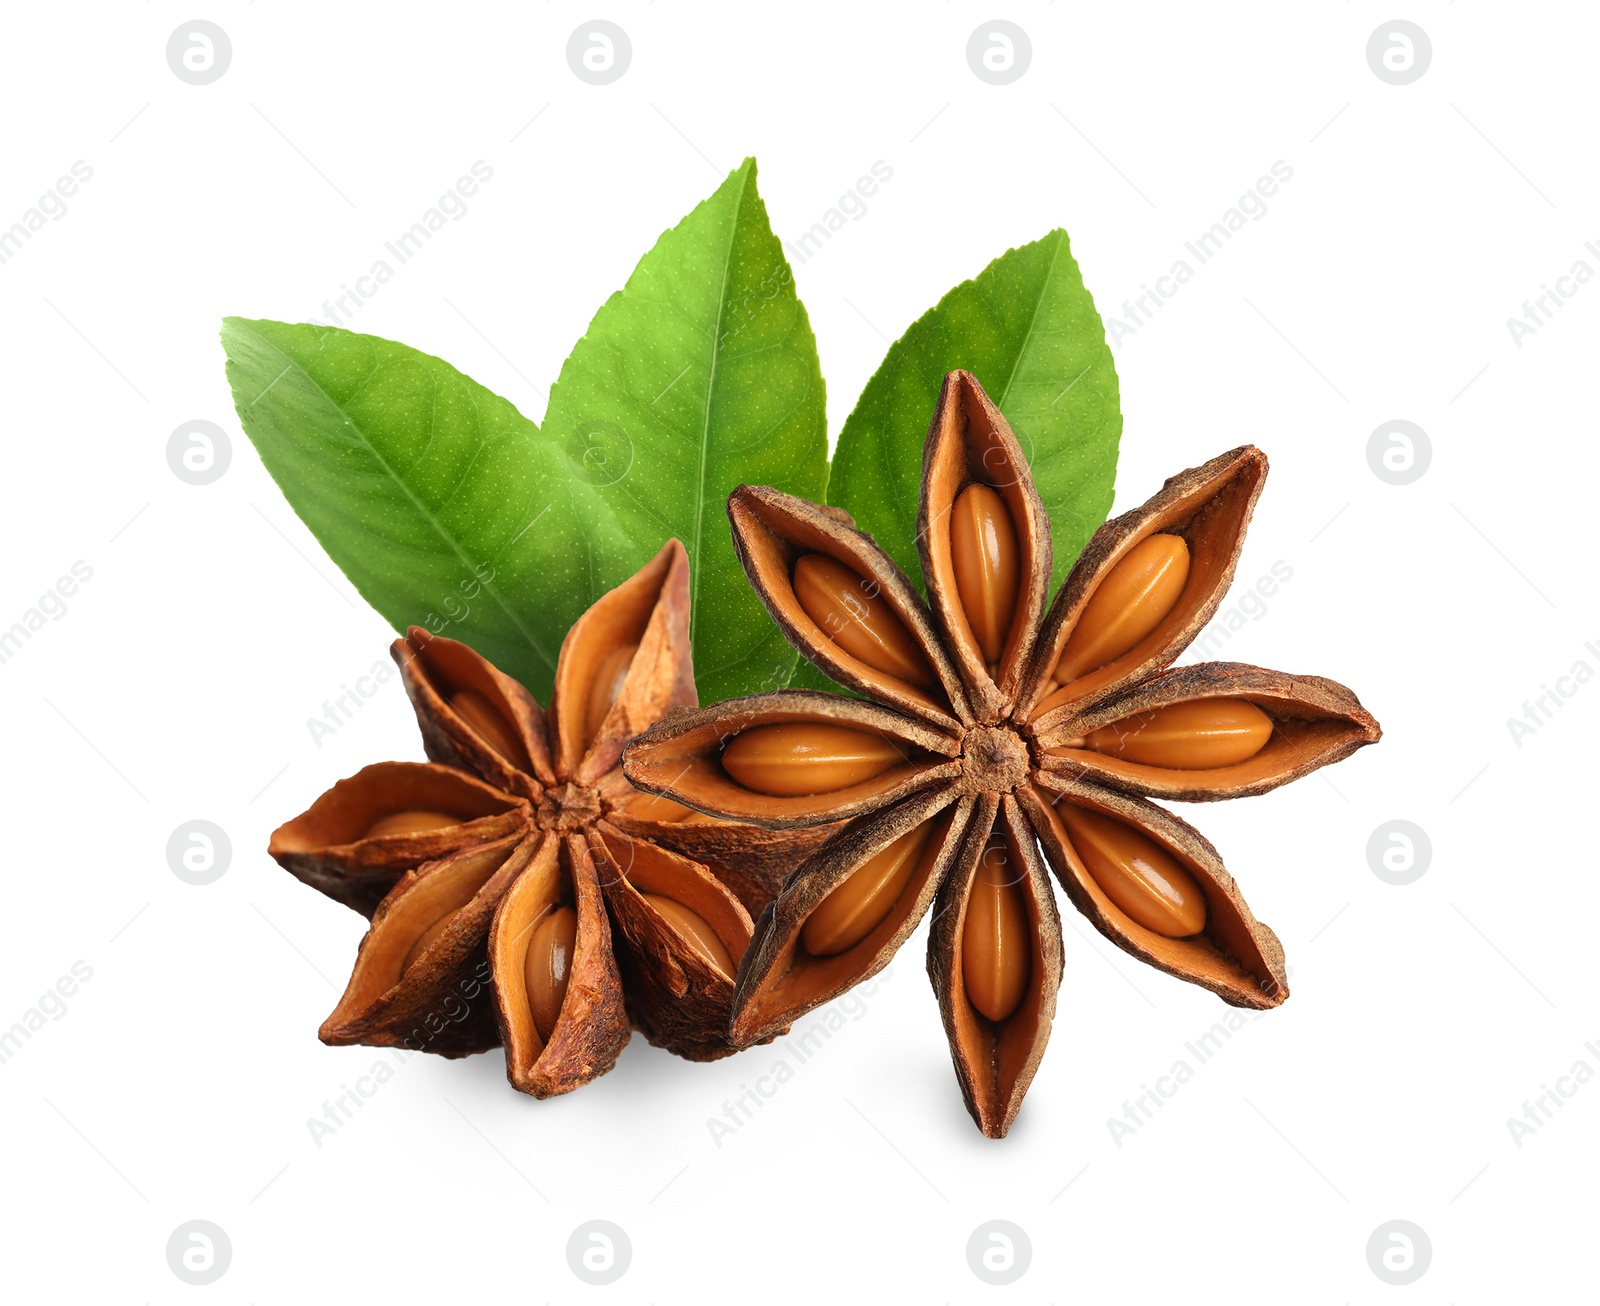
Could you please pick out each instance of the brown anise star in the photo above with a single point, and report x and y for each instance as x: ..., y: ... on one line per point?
x: 994, y: 729
x: 520, y: 889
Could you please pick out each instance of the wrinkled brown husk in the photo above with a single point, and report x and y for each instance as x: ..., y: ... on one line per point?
x: 1236, y: 956
x: 680, y: 758
x: 650, y: 609
x: 969, y: 441
x: 995, y: 1064
x: 779, y: 981
x: 431, y: 667
x: 770, y: 530
x: 592, y: 1028
x: 1210, y: 507
x: 750, y: 860
x: 676, y: 998
x: 443, y: 1003
x: 1316, y: 722
x: 324, y: 847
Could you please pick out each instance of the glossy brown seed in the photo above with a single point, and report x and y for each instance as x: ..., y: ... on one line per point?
x: 805, y: 757
x: 411, y: 822
x: 996, y: 949
x: 548, y: 965
x: 424, y: 939
x: 859, y: 905
x: 856, y: 618
x: 1192, y: 736
x: 1137, y: 873
x: 487, y: 721
x: 696, y: 931
x: 988, y: 565
x: 607, y: 684
x: 1127, y: 605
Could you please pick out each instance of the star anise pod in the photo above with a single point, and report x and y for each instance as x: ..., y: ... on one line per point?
x: 521, y: 891
x: 990, y: 728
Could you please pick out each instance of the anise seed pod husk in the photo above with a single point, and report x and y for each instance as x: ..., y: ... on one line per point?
x: 1209, y: 507
x: 686, y: 748
x: 771, y: 530
x: 677, y: 997
x: 779, y: 979
x: 541, y: 824
x: 326, y: 845
x: 995, y: 1063
x: 1316, y: 722
x: 1236, y: 956
x: 442, y: 1001
x: 969, y: 441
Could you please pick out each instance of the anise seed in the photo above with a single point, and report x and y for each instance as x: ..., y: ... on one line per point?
x: 410, y: 822
x: 1193, y: 736
x: 859, y: 905
x: 548, y: 966
x: 803, y: 757
x: 996, y: 938
x: 1136, y: 873
x: 1128, y: 604
x: 860, y: 623
x: 983, y: 549
x: 696, y: 931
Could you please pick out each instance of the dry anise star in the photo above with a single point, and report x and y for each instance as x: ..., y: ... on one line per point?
x: 995, y: 728
x: 520, y: 865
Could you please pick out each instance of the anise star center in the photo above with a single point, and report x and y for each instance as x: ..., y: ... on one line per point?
x: 994, y: 759
x: 568, y: 807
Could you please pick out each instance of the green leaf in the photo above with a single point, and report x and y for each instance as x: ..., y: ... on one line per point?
x: 422, y: 486
x: 447, y: 508
x: 1028, y: 329
x: 699, y: 375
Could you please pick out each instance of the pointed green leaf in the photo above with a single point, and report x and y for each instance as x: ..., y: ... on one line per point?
x: 699, y: 375
x: 422, y: 486
x: 1028, y: 329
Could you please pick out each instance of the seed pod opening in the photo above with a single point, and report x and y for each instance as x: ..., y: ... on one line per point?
x: 471, y: 715
x: 795, y: 966
x: 1210, y: 731
x: 570, y: 1025
x: 997, y: 892
x: 679, y: 936
x: 1161, y: 569
x: 1234, y: 955
x: 984, y: 542
x: 608, y: 693
x: 339, y: 847
x: 883, y: 756
x: 428, y: 936
x: 837, y: 598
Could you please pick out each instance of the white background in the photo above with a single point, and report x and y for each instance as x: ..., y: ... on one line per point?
x: 178, y: 1083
